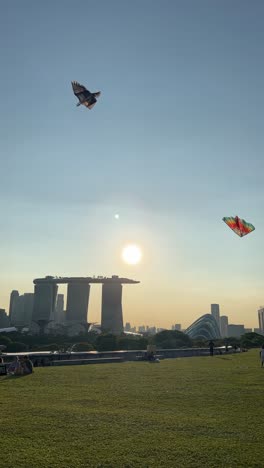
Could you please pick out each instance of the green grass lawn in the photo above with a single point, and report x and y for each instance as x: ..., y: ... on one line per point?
x: 190, y: 412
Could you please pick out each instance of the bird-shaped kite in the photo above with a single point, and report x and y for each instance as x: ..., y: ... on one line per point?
x: 239, y: 226
x: 85, y: 97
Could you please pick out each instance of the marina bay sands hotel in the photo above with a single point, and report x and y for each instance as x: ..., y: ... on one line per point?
x: 45, y: 296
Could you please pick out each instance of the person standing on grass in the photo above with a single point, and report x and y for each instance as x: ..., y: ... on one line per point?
x: 261, y: 353
x: 211, y: 347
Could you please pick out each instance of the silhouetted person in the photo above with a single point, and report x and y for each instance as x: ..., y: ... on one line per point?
x: 261, y: 353
x: 211, y: 347
x: 151, y: 356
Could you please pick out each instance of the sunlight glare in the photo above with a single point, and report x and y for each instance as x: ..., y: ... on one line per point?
x: 132, y: 254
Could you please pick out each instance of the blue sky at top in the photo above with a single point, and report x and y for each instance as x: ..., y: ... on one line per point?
x: 174, y: 144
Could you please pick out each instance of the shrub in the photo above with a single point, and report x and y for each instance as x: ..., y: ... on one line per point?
x: 4, y: 340
x: 83, y: 347
x: 48, y: 347
x: 16, y: 347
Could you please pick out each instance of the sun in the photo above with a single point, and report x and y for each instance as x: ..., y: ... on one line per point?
x: 131, y: 254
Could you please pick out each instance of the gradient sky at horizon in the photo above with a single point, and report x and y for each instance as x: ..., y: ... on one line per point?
x: 174, y: 143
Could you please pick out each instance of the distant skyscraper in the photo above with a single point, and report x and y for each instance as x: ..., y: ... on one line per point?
x: 261, y: 319
x: 127, y: 326
x: 28, y: 308
x: 18, y: 312
x: 112, y: 314
x: 13, y: 298
x: 177, y: 326
x: 4, y: 319
x: 216, y: 313
x: 224, y: 326
x: 77, y: 302
x: 44, y: 304
x: 22, y: 310
x: 59, y: 316
x: 236, y: 330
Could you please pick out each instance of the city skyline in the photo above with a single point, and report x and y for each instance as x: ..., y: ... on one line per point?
x: 43, y: 311
x: 93, y: 315
x: 174, y: 144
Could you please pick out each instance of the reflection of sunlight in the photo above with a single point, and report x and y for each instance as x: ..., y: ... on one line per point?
x: 131, y: 254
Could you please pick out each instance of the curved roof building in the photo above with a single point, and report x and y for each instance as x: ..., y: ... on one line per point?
x: 205, y: 327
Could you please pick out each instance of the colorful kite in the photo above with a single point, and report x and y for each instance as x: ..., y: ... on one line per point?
x: 239, y: 226
x: 85, y: 97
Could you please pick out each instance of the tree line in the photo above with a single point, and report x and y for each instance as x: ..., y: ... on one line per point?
x: 166, y: 339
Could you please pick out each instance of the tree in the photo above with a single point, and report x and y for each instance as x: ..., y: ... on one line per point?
x: 169, y: 339
x: 251, y: 340
x: 132, y: 342
x: 106, y: 342
x: 232, y: 341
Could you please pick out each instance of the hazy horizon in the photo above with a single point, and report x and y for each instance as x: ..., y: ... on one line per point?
x: 174, y: 143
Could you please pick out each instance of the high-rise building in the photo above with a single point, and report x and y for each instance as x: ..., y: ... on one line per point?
x: 4, y: 319
x: 112, y: 314
x: 28, y: 308
x: 22, y: 310
x: 236, y: 330
x: 127, y: 326
x: 13, y: 298
x: 44, y: 304
x: 215, y: 311
x: 177, y: 326
x: 261, y: 318
x: 77, y: 302
x: 59, y: 315
x: 18, y: 312
x: 224, y: 326
x: 248, y: 330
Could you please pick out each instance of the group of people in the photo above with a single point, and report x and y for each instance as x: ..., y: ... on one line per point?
x: 22, y: 365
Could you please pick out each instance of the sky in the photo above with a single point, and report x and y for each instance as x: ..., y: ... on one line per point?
x: 174, y: 143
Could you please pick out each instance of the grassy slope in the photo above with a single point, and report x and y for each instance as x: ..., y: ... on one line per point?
x: 192, y: 412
